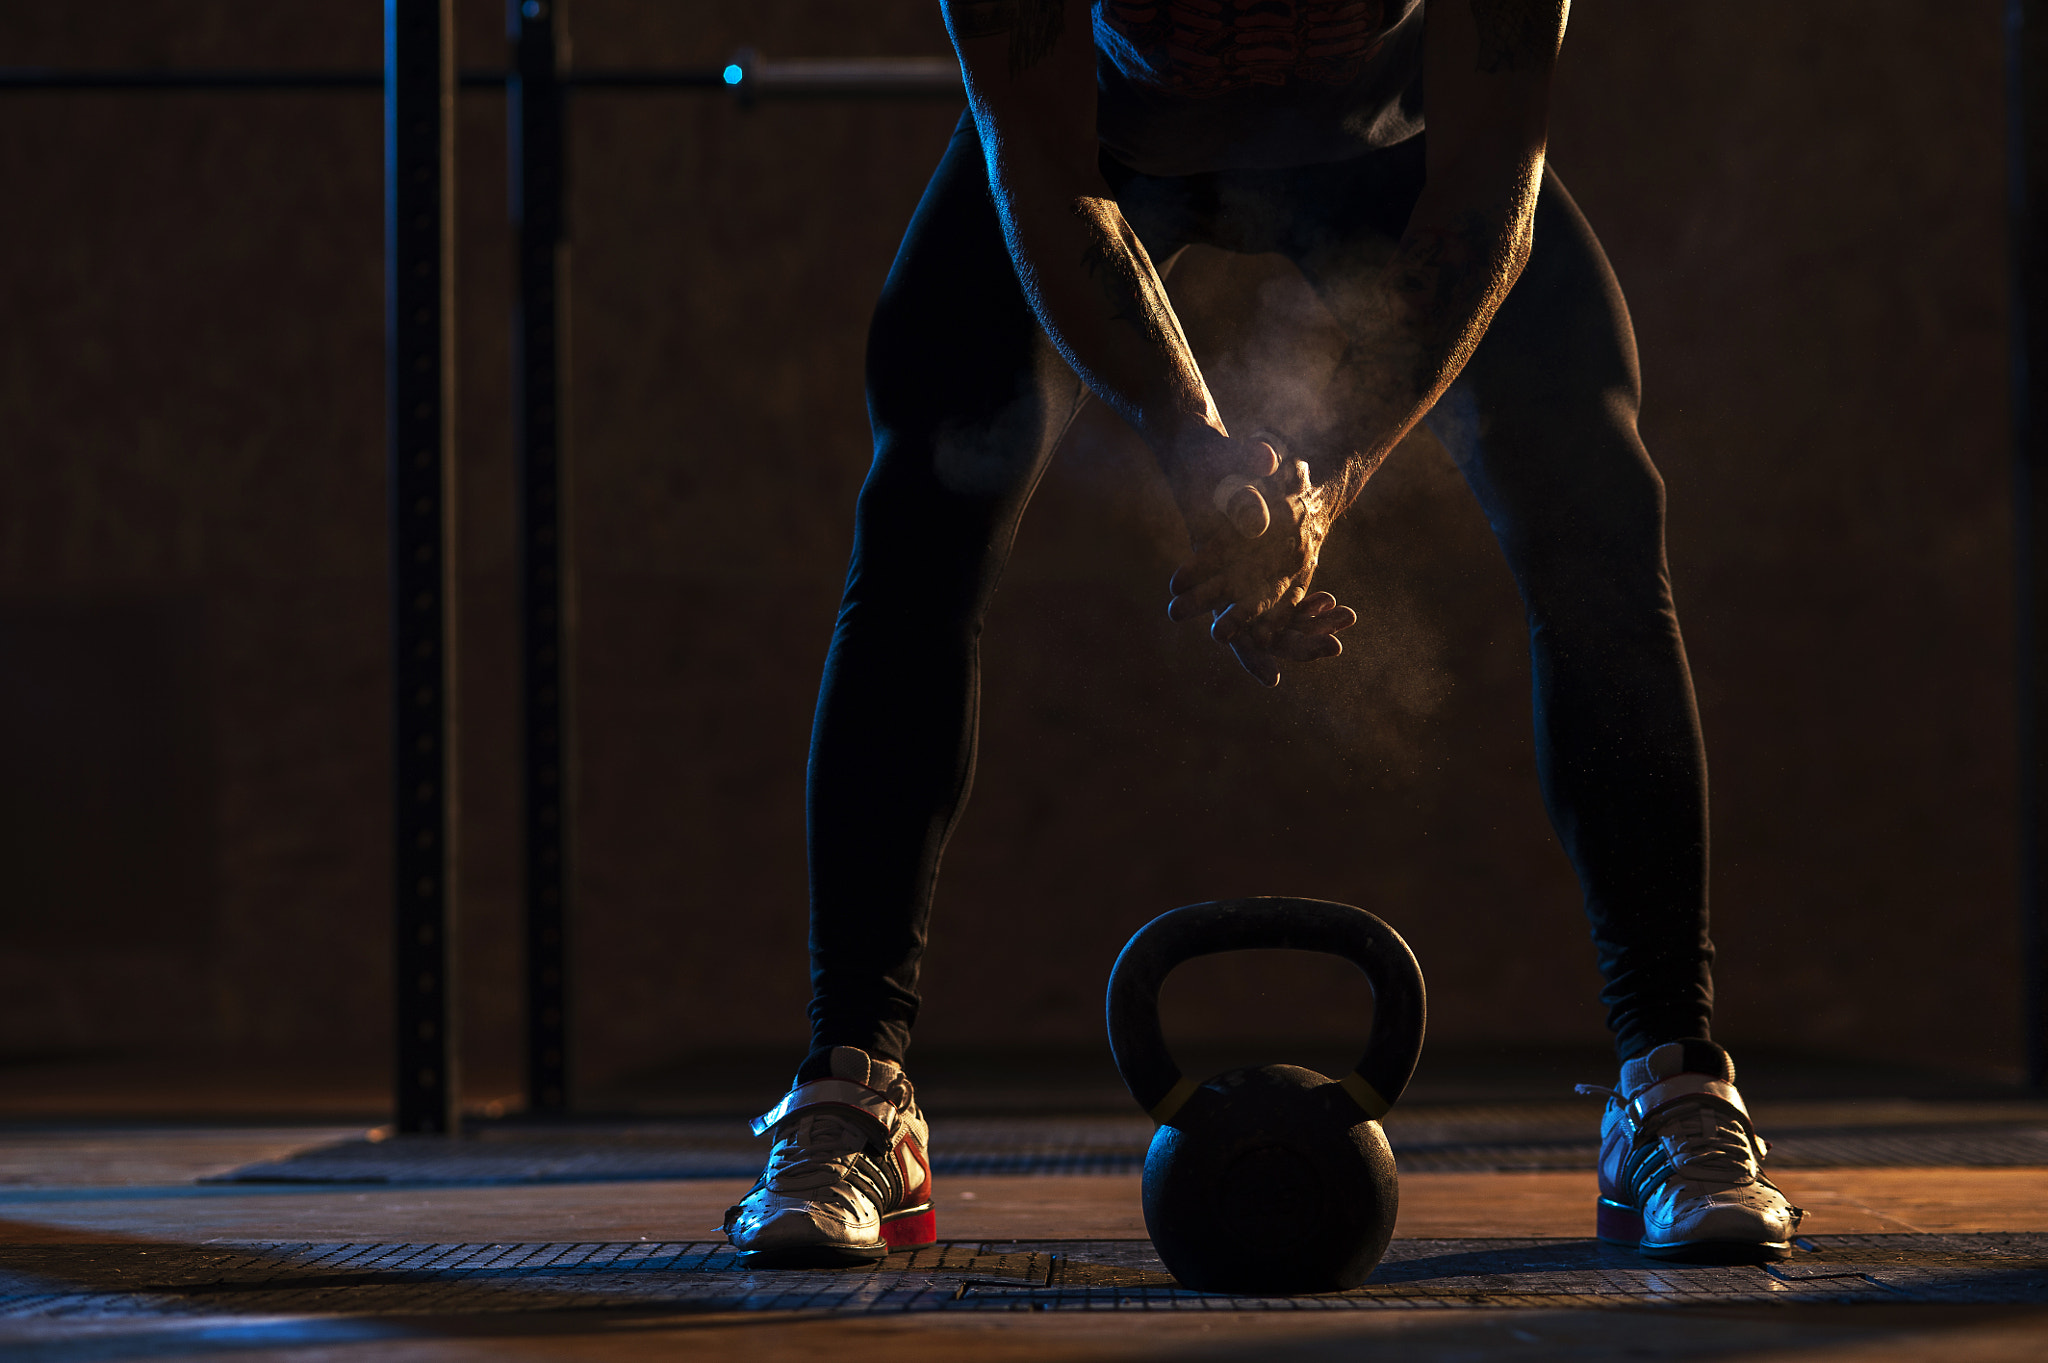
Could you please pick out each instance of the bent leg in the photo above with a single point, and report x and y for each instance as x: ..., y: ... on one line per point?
x: 1543, y: 424
x: 967, y: 399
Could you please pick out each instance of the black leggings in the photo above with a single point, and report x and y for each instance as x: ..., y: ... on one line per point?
x: 968, y: 400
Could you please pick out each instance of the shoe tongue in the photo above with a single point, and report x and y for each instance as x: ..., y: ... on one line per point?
x: 851, y: 1062
x: 1677, y: 1057
x: 1637, y: 1074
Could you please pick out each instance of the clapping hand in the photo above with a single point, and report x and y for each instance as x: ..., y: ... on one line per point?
x: 1251, y: 570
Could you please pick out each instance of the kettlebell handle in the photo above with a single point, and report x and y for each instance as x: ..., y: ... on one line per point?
x: 1139, y: 1044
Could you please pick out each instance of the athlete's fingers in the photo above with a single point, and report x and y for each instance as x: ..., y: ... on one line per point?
x: 1265, y: 668
x: 1260, y: 626
x: 1229, y: 623
x: 1196, y: 598
x: 1238, y: 460
x: 1270, y: 624
x: 1280, y: 615
x: 1293, y: 476
x: 1298, y: 646
x: 1330, y: 621
x: 1243, y: 505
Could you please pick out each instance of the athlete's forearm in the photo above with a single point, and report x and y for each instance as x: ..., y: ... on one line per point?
x: 1413, y: 325
x: 1030, y: 70
x: 1103, y: 304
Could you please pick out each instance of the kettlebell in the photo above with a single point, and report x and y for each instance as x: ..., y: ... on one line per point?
x: 1271, y: 1180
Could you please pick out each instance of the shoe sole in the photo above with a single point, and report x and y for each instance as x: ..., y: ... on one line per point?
x: 813, y: 1256
x: 1616, y: 1224
x: 911, y: 1228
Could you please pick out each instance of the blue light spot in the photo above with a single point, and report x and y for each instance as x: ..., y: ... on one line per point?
x: 733, y: 74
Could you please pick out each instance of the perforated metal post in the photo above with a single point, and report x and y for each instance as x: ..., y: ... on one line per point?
x: 539, y: 350
x: 2027, y: 146
x: 419, y: 258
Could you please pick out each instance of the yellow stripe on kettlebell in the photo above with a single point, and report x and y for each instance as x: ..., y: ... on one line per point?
x: 1176, y: 1098
x: 1365, y: 1095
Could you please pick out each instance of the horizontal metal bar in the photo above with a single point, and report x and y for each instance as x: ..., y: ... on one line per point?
x: 706, y: 78
x: 852, y: 76
x: 31, y: 78
x: 872, y: 77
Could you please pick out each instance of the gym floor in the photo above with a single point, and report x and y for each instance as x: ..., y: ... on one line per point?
x: 242, y: 1213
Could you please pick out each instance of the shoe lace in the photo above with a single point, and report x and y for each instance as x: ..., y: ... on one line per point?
x: 1707, y: 1143
x: 812, y: 1151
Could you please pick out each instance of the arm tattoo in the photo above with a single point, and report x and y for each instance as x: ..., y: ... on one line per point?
x: 1516, y: 35
x: 1034, y: 26
x: 1038, y: 28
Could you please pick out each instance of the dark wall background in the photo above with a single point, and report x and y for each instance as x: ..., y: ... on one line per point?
x: 1807, y: 216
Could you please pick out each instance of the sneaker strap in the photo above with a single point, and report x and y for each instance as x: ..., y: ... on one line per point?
x: 1637, y: 1111
x: 838, y: 1092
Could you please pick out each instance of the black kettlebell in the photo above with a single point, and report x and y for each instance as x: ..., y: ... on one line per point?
x: 1273, y: 1179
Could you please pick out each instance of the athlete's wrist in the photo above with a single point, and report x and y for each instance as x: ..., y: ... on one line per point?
x: 1193, y: 455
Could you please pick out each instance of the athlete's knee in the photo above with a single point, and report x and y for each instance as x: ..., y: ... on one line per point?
x: 1597, y: 555
x: 975, y: 387
x: 922, y: 557
x: 980, y: 449
x: 1623, y: 498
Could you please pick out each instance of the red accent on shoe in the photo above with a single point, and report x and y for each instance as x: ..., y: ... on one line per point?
x: 1616, y: 1224
x: 916, y: 1170
x: 911, y: 1230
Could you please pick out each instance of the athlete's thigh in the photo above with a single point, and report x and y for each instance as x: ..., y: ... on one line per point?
x: 1542, y: 420
x: 964, y: 389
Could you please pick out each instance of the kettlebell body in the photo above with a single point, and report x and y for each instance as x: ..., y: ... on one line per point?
x: 1281, y: 1186
x: 1271, y: 1179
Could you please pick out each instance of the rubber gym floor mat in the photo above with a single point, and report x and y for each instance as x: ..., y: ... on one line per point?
x: 1479, y: 1140
x: 87, y: 1283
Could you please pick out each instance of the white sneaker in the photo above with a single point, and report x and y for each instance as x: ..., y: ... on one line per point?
x: 847, y: 1179
x: 1681, y: 1166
